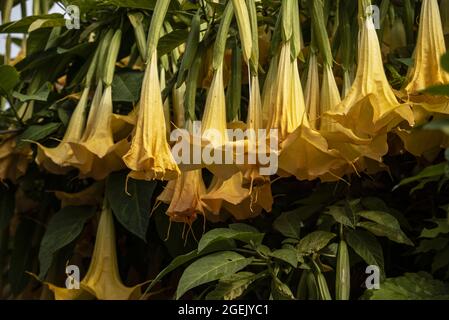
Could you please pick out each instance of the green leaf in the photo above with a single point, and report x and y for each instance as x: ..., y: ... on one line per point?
x: 40, y: 95
x: 380, y: 230
x: 287, y: 255
x: 340, y: 215
x: 23, y: 25
x: 243, y: 227
x: 441, y: 228
x: 382, y: 217
x: 445, y: 61
x: 429, y: 172
x: 280, y: 291
x: 183, y: 259
x: 9, y: 78
x: 314, y: 242
x: 7, y: 205
x: 367, y: 247
x: 436, y: 244
x: 233, y: 286
x: 220, y: 234
x: 131, y: 209
x: 410, y: 286
x: 176, y: 263
x: 36, y: 133
x: 438, y: 90
x: 171, y: 41
x: 126, y: 86
x: 63, y: 228
x: 210, y: 268
x: 289, y: 224
x: 406, y: 61
x: 47, y: 23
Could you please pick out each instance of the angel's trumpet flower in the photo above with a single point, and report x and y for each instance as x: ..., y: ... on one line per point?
x: 312, y: 92
x: 96, y: 153
x: 150, y: 156
x: 304, y: 152
x: 184, y: 196
x: 102, y: 279
x: 288, y: 110
x: 350, y: 146
x: 427, y: 70
x: 269, y: 87
x: 58, y: 160
x: 371, y: 108
x: 214, y: 118
x: 259, y: 185
x: 13, y: 159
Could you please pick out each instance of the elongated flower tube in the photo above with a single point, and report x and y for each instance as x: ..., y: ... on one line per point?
x: 97, y: 154
x: 97, y: 137
x: 371, y: 108
x: 149, y: 156
x: 259, y: 185
x: 304, y: 152
x: 312, y: 92
x: 268, y: 97
x: 102, y: 279
x: 426, y: 70
x: 288, y: 110
x: 58, y: 160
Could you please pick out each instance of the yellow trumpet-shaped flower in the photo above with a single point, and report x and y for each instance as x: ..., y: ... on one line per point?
x: 312, y: 92
x: 149, y: 156
x: 259, y: 185
x: 102, y: 279
x: 351, y: 147
x: 304, y: 151
x: 288, y: 110
x: 97, y: 137
x: 97, y: 154
x: 427, y: 70
x: 58, y: 160
x: 371, y: 108
x: 268, y: 96
x: 184, y: 196
x: 13, y: 160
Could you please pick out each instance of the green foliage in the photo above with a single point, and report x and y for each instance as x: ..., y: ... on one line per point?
x: 411, y: 286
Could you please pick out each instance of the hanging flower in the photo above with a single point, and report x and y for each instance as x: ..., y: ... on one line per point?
x: 150, y: 156
x: 184, y: 196
x: 102, y: 279
x: 371, y: 108
x: 97, y: 154
x: 304, y: 152
x: 427, y: 70
x: 58, y: 160
x: 312, y: 92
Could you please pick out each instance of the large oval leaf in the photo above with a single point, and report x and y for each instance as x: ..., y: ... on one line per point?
x: 211, y: 268
x: 131, y: 209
